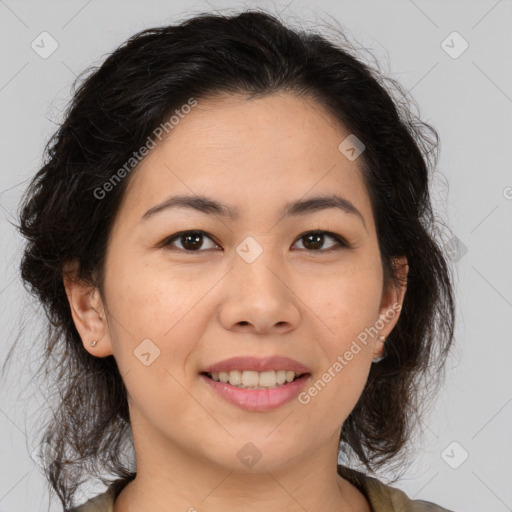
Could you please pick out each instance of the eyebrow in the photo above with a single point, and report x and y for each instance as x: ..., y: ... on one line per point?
x: 210, y: 206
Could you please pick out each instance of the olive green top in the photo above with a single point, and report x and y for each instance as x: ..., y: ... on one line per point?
x: 382, y: 498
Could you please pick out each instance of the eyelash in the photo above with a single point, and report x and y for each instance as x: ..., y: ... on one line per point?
x: 341, y: 242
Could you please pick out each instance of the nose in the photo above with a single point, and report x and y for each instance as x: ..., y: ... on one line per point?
x: 258, y: 298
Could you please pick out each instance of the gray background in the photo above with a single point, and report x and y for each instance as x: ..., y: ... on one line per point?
x: 469, y: 101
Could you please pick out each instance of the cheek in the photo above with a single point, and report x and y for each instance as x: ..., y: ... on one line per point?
x: 348, y: 300
x: 154, y: 325
x: 153, y: 295
x: 345, y: 356
x: 147, y: 303
x: 348, y: 305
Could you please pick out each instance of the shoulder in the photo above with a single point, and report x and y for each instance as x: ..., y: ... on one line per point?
x: 103, y: 502
x: 385, y: 498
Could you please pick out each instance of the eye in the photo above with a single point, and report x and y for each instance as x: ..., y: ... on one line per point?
x: 190, y: 240
x: 314, y: 240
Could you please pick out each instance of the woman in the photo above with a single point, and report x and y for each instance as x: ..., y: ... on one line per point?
x: 233, y: 240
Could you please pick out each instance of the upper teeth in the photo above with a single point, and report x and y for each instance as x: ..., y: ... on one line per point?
x: 247, y: 378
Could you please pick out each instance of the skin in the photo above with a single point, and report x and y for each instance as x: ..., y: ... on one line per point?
x: 201, y: 307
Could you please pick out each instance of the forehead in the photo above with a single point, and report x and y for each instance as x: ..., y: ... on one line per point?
x: 250, y: 153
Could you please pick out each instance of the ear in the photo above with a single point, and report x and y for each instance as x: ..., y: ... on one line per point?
x: 391, y: 304
x: 88, y: 312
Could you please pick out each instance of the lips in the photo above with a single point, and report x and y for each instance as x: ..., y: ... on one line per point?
x: 258, y: 365
x: 257, y: 400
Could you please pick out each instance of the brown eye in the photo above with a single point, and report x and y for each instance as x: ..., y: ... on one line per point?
x: 191, y: 241
x: 314, y: 241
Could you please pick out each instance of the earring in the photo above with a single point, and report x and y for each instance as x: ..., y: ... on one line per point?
x: 378, y: 359
x: 93, y: 343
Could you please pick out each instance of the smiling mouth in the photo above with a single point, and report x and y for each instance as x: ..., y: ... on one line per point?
x: 246, y: 379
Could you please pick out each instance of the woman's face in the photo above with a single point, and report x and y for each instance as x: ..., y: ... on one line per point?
x: 254, y: 284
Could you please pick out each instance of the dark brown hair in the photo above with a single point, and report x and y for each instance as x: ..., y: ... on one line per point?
x: 113, y: 111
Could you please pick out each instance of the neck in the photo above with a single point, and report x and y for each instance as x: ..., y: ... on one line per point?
x: 171, y: 478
